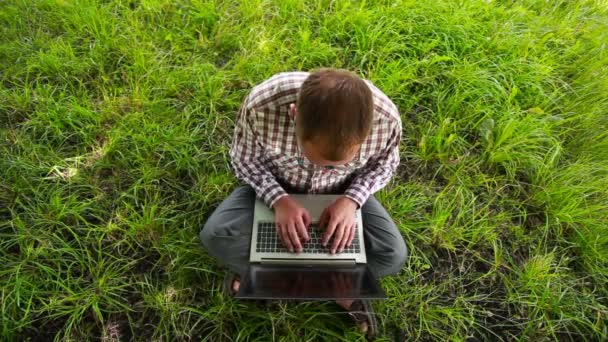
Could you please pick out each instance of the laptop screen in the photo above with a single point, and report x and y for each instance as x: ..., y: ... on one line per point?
x: 296, y: 282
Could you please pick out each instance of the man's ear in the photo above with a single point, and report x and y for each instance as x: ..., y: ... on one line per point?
x: 293, y: 111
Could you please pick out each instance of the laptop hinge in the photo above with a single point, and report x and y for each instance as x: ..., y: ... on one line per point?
x: 309, y: 262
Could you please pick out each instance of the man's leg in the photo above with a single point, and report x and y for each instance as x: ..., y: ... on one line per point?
x: 384, y: 245
x: 227, y: 233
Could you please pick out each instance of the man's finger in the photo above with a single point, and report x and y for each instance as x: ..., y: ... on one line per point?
x: 301, y: 228
x: 295, y: 240
x: 342, y: 245
x: 338, y: 235
x: 286, y: 242
x: 348, y: 232
x: 285, y: 237
x: 329, y: 231
x: 353, y: 231
x: 306, y: 218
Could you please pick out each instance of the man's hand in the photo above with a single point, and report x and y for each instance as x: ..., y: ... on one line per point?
x: 292, y: 221
x: 339, y: 221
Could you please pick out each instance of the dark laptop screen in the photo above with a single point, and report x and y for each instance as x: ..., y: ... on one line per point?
x: 296, y: 282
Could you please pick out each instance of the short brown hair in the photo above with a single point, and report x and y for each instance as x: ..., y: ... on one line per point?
x: 335, y: 107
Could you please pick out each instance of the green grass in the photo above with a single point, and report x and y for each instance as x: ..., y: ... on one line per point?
x: 115, y: 122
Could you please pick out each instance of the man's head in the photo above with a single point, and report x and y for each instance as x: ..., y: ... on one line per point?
x: 334, y: 116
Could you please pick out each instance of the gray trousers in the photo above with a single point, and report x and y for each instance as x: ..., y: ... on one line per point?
x: 227, y: 234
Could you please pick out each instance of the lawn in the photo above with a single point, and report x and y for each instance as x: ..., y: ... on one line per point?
x: 115, y: 124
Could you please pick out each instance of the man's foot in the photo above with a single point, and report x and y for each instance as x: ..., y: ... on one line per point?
x: 363, y: 325
x: 232, y: 283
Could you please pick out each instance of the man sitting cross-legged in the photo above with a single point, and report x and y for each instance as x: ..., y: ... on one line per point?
x: 327, y: 132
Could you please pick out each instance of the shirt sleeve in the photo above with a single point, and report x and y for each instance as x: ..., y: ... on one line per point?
x: 378, y: 170
x: 248, y: 157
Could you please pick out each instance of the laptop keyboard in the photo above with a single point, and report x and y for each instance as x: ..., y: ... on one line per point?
x: 269, y: 241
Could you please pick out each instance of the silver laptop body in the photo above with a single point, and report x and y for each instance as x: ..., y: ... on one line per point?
x: 267, y: 248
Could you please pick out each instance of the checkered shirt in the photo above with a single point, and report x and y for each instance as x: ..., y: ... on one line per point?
x: 265, y: 152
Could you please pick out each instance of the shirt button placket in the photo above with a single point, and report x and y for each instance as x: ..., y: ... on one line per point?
x: 309, y: 176
x: 313, y: 178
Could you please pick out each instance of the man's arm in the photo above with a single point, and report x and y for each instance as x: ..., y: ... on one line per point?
x: 248, y: 162
x: 378, y: 170
x: 338, y: 218
x: 248, y: 159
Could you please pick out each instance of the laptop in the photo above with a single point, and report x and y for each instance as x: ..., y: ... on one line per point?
x: 314, y: 273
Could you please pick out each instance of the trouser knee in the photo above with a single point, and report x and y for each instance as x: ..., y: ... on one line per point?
x: 392, y: 262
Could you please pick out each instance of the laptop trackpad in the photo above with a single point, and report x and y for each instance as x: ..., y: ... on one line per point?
x: 311, y: 283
